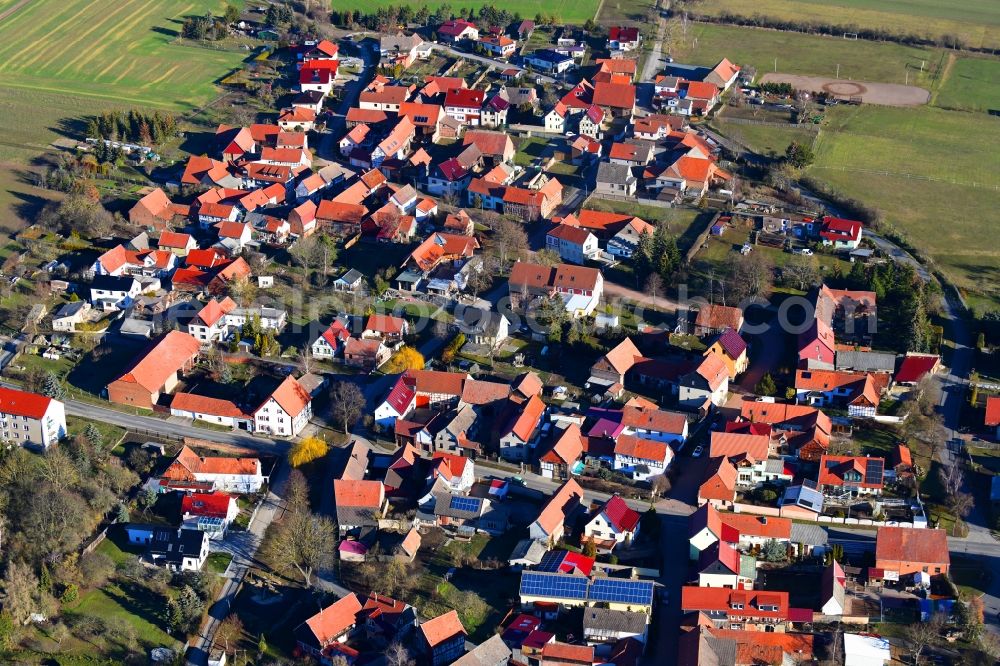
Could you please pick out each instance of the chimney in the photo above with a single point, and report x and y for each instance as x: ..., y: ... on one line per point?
x: 763, y: 520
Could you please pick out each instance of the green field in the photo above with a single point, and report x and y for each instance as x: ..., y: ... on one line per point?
x: 935, y: 175
x: 566, y: 10
x: 120, y: 51
x: 765, y: 139
x: 814, y: 55
x: 972, y: 84
x: 976, y: 22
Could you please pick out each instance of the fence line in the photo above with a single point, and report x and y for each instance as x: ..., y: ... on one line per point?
x: 765, y: 123
x: 880, y: 172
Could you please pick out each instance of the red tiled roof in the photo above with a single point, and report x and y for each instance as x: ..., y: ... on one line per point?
x: 22, y: 403
x: 701, y: 90
x: 188, y: 463
x: 739, y: 446
x: 353, y: 493
x: 200, y: 404
x: 904, y: 544
x: 656, y: 420
x: 464, y: 98
x: 614, y: 95
x: 557, y: 652
x: 441, y: 628
x: 567, y: 449
x: 160, y: 361
x: 722, y: 599
x: 489, y: 143
x: 720, y: 480
x: 333, y: 621
x: 209, y: 505
x: 387, y: 324
x: 644, y: 449
x: 833, y: 468
x: 769, y: 527
x: 438, y: 381
x: 560, y: 505
x: 291, y: 397
x: 524, y: 423
x: 623, y: 517
x: 992, y: 418
x: 915, y: 366
x: 719, y: 316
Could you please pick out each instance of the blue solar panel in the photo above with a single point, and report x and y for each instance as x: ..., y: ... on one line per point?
x: 621, y: 591
x: 551, y: 561
x: 465, y: 504
x: 561, y: 586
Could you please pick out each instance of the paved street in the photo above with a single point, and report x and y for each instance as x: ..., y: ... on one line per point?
x: 243, y: 558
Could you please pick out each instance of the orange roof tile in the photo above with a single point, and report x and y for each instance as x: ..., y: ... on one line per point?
x: 352, y: 493
x: 333, y: 621
x: 439, y: 629
x: 563, y: 502
x: 904, y: 544
x: 291, y: 397
x: 525, y: 422
x: 644, y: 449
x: 158, y: 363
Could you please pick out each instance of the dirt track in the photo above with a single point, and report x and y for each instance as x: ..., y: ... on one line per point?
x: 887, y: 94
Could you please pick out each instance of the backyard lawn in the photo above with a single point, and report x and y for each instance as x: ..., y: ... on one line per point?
x: 765, y: 139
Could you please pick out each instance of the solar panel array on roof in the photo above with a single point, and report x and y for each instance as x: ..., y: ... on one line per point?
x: 614, y: 590
x: 465, y: 503
x: 570, y: 586
x: 551, y: 561
x: 874, y: 471
x: 810, y: 484
x: 563, y: 586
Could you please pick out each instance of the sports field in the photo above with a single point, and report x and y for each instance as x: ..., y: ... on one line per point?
x: 570, y: 11
x: 935, y: 174
x: 117, y: 50
x: 971, y: 84
x: 976, y: 22
x: 811, y: 55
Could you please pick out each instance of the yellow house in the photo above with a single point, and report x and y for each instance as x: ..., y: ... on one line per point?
x: 733, y: 350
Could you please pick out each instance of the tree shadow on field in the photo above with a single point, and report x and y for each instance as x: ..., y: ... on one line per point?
x: 169, y: 32
x: 72, y: 127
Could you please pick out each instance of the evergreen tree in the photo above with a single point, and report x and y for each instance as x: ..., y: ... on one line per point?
x: 52, y: 387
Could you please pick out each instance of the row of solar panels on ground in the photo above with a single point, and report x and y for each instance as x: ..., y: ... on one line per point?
x: 570, y: 586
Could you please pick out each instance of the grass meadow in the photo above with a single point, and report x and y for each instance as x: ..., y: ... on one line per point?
x: 934, y: 173
x: 972, y: 84
x: 814, y: 55
x: 976, y: 22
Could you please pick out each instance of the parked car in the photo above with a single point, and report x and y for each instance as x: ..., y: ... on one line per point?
x: 697, y: 452
x: 805, y: 252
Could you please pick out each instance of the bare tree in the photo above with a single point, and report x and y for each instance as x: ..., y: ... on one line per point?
x: 654, y: 285
x: 307, y: 252
x: 922, y: 634
x: 510, y: 242
x: 303, y: 541
x: 659, y: 486
x: 230, y: 630
x: 750, y: 276
x: 397, y: 655
x: 347, y: 402
x: 306, y: 359
x: 803, y: 271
